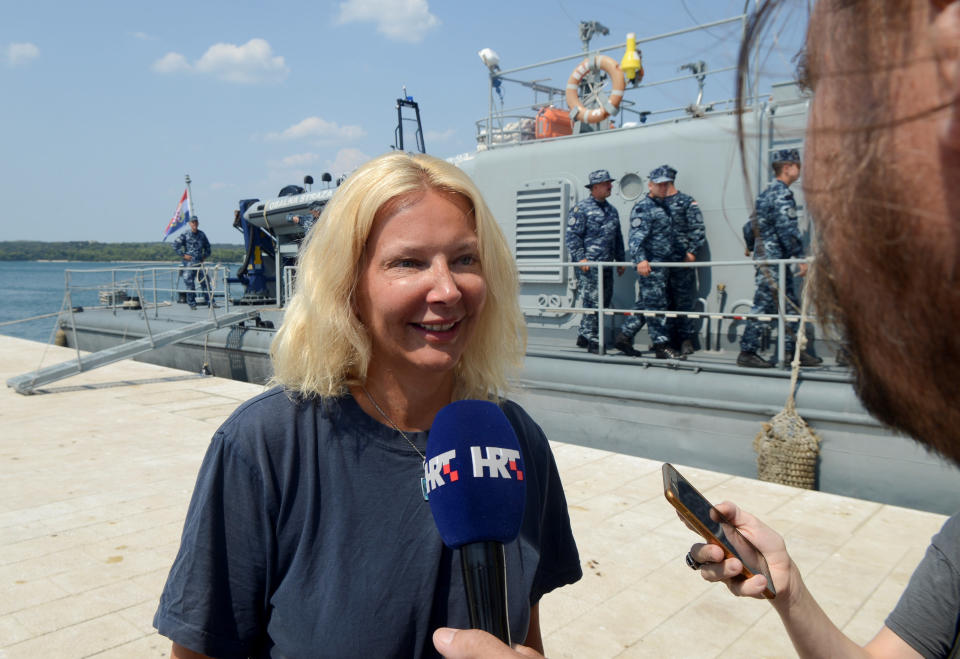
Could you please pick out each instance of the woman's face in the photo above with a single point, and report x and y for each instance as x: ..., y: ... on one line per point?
x: 421, y: 285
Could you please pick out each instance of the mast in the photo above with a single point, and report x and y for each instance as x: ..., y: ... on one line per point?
x: 193, y: 206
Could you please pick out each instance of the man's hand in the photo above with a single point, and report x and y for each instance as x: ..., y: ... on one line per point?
x: 643, y: 268
x: 689, y: 258
x: 585, y: 268
x: 187, y: 257
x: 765, y: 539
x: 476, y: 644
x: 802, y: 269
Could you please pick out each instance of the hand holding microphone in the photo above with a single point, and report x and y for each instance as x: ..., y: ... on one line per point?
x: 475, y: 480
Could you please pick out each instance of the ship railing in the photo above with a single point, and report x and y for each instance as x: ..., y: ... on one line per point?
x: 489, y: 128
x: 289, y: 277
x: 782, y: 317
x: 137, y: 287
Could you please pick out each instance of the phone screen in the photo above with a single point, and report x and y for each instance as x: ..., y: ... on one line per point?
x: 713, y: 526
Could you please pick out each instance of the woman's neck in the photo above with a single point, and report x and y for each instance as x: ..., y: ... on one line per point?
x: 410, y: 403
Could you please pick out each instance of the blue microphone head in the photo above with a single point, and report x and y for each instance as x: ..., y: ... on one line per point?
x: 474, y: 474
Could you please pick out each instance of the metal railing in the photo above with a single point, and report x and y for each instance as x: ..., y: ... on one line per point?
x: 490, y: 130
x: 782, y: 317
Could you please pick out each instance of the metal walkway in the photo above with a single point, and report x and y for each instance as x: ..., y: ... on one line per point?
x: 28, y: 382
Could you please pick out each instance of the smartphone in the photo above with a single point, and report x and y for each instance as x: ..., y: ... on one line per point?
x: 713, y: 526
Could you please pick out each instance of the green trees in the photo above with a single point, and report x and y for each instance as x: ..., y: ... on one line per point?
x: 35, y: 250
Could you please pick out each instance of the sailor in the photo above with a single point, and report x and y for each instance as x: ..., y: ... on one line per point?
x: 653, y: 237
x: 307, y: 221
x: 194, y: 248
x: 593, y: 234
x: 691, y: 236
x: 778, y: 237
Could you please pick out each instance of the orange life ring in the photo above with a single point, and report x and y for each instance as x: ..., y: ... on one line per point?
x: 608, y: 106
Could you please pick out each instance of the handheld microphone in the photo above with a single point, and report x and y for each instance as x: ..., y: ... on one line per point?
x: 475, y: 480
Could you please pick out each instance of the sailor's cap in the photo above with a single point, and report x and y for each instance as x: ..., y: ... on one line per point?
x: 662, y: 174
x: 786, y: 155
x: 599, y: 176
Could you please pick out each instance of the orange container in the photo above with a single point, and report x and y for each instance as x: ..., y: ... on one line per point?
x: 553, y: 122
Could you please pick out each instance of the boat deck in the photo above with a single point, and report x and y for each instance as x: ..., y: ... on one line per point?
x: 98, y: 471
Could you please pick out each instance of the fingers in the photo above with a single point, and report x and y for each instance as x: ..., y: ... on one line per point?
x: 475, y: 644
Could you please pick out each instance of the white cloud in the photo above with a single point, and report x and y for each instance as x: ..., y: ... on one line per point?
x: 299, y: 159
x: 21, y: 53
x: 399, y: 20
x: 142, y: 36
x: 172, y: 63
x: 438, y: 135
x: 318, y: 128
x: 346, y: 161
x: 252, y: 62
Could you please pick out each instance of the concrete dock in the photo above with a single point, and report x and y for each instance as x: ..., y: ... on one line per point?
x: 97, y: 471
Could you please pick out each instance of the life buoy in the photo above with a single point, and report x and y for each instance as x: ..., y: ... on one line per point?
x: 609, y: 106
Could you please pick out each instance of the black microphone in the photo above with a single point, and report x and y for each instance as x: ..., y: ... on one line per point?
x: 475, y: 481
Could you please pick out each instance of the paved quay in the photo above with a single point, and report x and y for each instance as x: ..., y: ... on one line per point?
x: 97, y: 473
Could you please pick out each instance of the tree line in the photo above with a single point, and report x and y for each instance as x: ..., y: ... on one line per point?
x: 84, y: 250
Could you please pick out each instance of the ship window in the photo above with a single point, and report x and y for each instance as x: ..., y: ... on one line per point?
x: 541, y: 211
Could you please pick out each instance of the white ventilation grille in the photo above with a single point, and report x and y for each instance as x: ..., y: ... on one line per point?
x: 541, y: 212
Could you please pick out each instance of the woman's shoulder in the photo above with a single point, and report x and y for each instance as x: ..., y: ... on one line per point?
x: 275, y: 416
x: 528, y: 431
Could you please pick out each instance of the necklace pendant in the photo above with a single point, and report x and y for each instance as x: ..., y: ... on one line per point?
x: 423, y: 487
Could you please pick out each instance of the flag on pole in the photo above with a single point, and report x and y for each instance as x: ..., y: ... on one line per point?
x: 180, y: 217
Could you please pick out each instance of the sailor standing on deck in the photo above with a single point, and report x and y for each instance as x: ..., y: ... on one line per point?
x: 194, y: 248
x: 691, y: 236
x: 593, y: 234
x: 307, y: 221
x: 777, y: 237
x: 654, y: 237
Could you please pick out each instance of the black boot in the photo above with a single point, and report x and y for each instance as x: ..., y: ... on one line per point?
x: 686, y: 348
x: 582, y: 341
x: 806, y: 359
x: 594, y: 348
x: 752, y: 360
x: 625, y: 345
x: 664, y: 351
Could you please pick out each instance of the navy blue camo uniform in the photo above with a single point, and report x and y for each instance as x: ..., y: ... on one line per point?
x: 654, y: 236
x: 778, y: 237
x: 194, y: 243
x: 308, y: 220
x: 593, y: 233
x: 691, y: 236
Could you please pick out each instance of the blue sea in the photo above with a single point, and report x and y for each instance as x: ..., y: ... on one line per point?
x: 33, y: 288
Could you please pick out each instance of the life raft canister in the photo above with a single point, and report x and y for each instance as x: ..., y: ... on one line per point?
x: 608, y: 106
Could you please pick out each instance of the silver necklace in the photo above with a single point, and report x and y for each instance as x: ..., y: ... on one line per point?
x: 423, y: 480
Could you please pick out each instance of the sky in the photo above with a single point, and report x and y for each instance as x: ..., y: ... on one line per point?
x: 108, y: 104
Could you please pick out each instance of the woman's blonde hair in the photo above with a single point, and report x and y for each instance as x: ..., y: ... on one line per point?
x: 322, y: 346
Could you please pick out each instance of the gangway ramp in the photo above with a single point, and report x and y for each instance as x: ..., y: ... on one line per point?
x: 28, y: 382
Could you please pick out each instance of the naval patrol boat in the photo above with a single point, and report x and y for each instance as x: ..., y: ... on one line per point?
x: 531, y: 163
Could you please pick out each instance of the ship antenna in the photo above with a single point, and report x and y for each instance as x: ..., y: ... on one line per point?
x: 193, y: 205
x: 588, y: 29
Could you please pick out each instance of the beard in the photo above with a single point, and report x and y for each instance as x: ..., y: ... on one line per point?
x: 893, y: 301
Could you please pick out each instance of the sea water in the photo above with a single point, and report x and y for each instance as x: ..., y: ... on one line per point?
x: 34, y: 288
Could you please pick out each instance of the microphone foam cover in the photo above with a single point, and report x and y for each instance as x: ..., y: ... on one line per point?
x: 475, y: 474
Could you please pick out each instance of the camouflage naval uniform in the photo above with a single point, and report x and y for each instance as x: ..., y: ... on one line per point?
x: 593, y: 233
x: 653, y: 237
x: 779, y: 238
x: 197, y: 247
x: 691, y: 236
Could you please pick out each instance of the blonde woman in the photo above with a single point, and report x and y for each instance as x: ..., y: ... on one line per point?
x: 308, y: 533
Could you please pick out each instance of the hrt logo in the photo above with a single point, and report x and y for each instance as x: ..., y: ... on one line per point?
x: 439, y: 466
x: 498, y: 461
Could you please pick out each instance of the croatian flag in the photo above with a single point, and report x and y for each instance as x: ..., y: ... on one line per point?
x: 180, y: 217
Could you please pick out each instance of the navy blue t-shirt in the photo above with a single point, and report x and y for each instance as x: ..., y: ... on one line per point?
x: 308, y: 536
